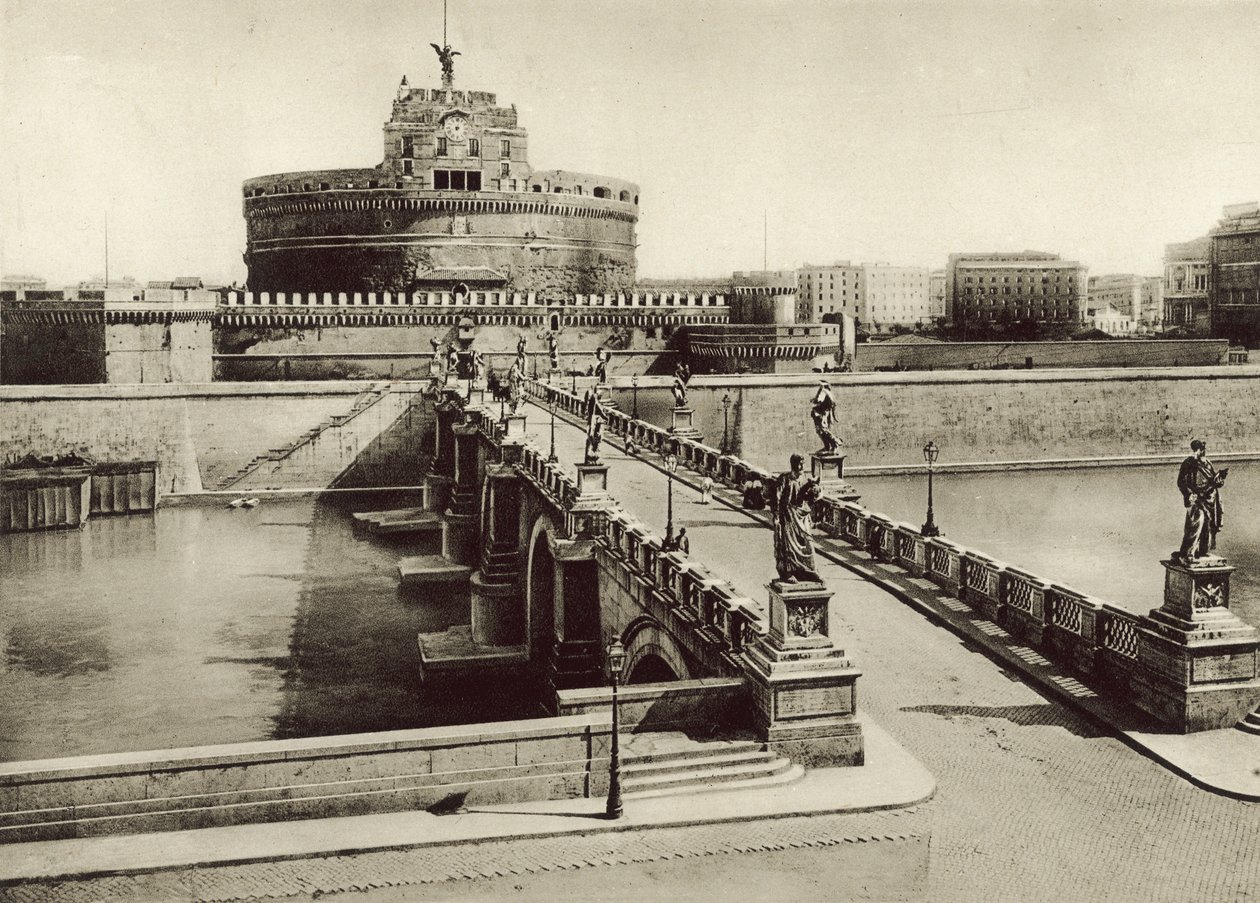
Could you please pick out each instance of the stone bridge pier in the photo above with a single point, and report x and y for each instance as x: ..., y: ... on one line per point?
x: 557, y: 569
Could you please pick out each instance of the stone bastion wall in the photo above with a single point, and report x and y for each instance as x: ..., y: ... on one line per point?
x: 299, y: 435
x: 986, y: 418
x: 360, y: 239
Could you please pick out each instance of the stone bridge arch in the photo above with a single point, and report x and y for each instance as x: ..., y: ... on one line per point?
x: 652, y: 653
x: 543, y: 581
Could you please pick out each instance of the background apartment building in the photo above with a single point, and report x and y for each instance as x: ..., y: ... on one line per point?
x: 1140, y: 298
x: 1234, y: 286
x: 1187, y: 270
x: 1008, y: 287
x: 826, y: 291
x: 936, y: 295
x: 895, y: 297
x: 880, y: 296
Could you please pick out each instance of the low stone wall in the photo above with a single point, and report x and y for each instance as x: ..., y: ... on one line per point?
x: 432, y: 768
x: 1144, y: 353
x: 682, y: 705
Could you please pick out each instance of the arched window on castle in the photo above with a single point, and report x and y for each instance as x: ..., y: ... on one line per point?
x: 602, y: 192
x: 625, y: 197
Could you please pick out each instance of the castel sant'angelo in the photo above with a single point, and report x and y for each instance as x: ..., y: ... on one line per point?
x: 455, y: 201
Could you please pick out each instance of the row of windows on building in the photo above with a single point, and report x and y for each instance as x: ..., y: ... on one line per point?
x: 1019, y: 290
x: 1018, y: 279
x: 407, y: 147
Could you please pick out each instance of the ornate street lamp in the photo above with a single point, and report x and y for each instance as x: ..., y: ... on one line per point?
x: 634, y: 382
x: 930, y: 454
x: 574, y: 382
x: 616, y: 660
x: 726, y: 416
x: 551, y: 403
x: 671, y: 465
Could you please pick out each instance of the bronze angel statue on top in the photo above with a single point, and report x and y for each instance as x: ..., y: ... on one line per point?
x: 446, y: 56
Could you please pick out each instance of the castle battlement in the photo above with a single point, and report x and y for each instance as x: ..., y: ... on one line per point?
x: 472, y: 300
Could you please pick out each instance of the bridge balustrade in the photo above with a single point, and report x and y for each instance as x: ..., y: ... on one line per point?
x: 1071, y: 627
x: 666, y: 577
x: 1024, y: 597
x: 911, y: 549
x: 1119, y: 631
x: 881, y: 535
x: 944, y: 564
x: 709, y: 593
x: 650, y: 560
x: 615, y: 532
x: 635, y: 535
x: 982, y: 584
x: 690, y: 589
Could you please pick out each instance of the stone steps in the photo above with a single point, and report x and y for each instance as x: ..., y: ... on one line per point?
x: 360, y: 404
x: 680, y: 766
x: 1251, y: 724
x: 426, y: 569
x: 399, y: 520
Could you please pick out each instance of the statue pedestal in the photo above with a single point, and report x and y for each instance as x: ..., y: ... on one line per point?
x: 476, y: 396
x: 592, y: 480
x: 1198, y: 660
x: 681, y: 426
x: 437, y: 491
x: 604, y: 393
x: 514, y: 428
x: 804, y: 688
x: 828, y: 469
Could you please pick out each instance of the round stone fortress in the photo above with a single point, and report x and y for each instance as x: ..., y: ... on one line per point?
x: 455, y: 202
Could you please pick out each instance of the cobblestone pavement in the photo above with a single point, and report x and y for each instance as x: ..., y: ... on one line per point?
x: 1033, y: 802
x: 498, y: 860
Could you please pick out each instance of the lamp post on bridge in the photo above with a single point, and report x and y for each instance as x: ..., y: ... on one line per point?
x: 634, y: 383
x: 574, y: 387
x: 930, y: 454
x: 616, y: 660
x: 551, y: 403
x: 726, y: 415
x: 671, y: 465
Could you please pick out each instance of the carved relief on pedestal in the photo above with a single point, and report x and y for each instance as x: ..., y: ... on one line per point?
x: 807, y: 620
x: 1210, y: 593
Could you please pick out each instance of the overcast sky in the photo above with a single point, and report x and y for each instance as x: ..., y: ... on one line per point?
x: 884, y: 131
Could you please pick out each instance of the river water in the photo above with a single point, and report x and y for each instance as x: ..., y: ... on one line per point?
x: 198, y: 626
x: 1102, y: 530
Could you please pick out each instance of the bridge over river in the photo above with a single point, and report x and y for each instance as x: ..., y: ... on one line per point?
x: 1043, y: 791
x: 1036, y: 800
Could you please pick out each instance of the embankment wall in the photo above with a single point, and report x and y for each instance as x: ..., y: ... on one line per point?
x: 203, y: 434
x: 1006, y: 416
x: 354, y: 774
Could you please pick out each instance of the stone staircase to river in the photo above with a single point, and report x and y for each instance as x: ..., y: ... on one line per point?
x: 668, y: 764
x: 1251, y: 724
x: 243, y: 477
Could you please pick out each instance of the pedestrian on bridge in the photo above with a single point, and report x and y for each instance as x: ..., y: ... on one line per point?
x: 706, y: 489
